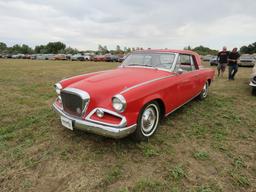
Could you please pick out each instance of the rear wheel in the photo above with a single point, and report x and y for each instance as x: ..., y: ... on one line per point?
x: 204, y: 92
x: 148, y: 121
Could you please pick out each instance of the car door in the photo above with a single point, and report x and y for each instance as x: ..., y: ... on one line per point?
x: 186, y: 78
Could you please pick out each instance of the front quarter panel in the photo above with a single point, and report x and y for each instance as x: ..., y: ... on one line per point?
x: 136, y: 98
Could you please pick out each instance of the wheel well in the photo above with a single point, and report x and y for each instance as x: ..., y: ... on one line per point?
x: 209, y: 81
x: 161, y: 106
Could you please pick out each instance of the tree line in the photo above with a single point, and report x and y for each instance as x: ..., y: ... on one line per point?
x: 250, y: 49
x: 59, y: 47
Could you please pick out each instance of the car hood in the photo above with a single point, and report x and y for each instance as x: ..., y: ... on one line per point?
x: 104, y: 85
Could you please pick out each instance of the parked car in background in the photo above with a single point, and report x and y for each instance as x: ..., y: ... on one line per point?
x: 87, y: 57
x: 206, y: 57
x: 77, y: 57
x: 8, y: 56
x: 59, y: 57
x: 214, y: 61
x: 44, y: 56
x: 49, y: 56
x: 18, y: 56
x: 80, y: 57
x: 99, y: 58
x: 26, y: 56
x: 68, y: 56
x: 111, y: 58
x: 122, y: 58
x: 41, y: 56
x: 253, y: 80
x: 33, y: 56
x: 131, y: 99
x: 246, y: 60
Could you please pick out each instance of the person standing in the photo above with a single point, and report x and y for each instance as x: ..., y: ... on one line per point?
x: 232, y: 64
x: 222, y: 59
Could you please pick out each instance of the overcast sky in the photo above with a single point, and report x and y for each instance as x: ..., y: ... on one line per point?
x: 84, y: 24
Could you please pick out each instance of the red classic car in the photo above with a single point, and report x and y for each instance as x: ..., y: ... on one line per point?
x: 132, y: 99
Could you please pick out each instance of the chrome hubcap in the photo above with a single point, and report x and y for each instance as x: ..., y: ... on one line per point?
x: 205, y: 90
x: 149, y: 120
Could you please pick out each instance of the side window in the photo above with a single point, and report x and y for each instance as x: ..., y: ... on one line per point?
x: 185, y: 62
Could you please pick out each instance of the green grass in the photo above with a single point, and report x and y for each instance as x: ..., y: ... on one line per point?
x: 177, y: 173
x: 201, y: 155
x: 204, y: 146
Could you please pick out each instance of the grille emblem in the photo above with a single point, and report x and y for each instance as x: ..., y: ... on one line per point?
x: 78, y: 110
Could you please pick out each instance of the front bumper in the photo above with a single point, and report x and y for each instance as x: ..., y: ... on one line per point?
x: 95, y: 128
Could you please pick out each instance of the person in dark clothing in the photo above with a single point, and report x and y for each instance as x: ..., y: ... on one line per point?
x: 222, y: 59
x: 232, y: 64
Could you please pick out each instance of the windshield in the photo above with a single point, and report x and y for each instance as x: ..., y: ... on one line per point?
x: 158, y: 60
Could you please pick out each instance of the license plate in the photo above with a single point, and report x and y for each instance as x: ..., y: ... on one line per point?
x: 66, y: 122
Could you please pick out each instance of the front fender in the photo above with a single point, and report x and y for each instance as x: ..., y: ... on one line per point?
x: 135, y: 105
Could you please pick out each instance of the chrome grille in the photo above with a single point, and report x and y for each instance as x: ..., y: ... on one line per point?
x: 74, y: 101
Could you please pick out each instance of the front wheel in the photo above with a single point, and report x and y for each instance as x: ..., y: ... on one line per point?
x: 148, y: 121
x: 204, y: 92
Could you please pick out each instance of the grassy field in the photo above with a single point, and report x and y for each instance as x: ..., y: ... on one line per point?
x: 205, y: 146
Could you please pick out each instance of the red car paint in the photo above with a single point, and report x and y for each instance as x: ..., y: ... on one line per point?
x: 140, y: 85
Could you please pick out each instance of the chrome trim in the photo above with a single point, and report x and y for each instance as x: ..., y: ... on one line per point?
x: 252, y: 84
x: 175, y: 61
x: 103, y: 130
x: 123, y: 101
x: 85, y: 75
x: 123, y: 122
x: 84, y: 96
x: 58, y: 88
x: 154, y: 68
x: 58, y: 85
x: 61, y: 102
x: 146, y: 82
x: 166, y: 114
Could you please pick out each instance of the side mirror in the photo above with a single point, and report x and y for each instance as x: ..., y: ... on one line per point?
x: 180, y: 71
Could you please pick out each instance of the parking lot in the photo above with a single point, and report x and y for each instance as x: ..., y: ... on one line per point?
x: 203, y: 146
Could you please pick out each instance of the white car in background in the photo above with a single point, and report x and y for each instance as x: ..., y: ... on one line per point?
x: 80, y: 57
x: 207, y: 57
x: 44, y: 56
x: 18, y: 56
x: 246, y: 60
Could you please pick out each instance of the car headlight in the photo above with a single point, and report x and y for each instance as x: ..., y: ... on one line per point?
x: 119, y: 103
x: 58, y: 88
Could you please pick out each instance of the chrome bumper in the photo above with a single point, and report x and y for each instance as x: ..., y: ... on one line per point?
x: 252, y: 84
x: 95, y: 128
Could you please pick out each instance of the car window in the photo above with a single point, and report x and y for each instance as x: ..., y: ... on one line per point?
x: 185, y: 62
